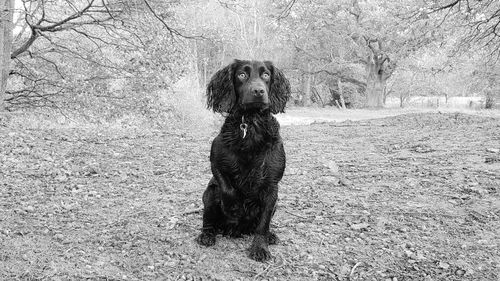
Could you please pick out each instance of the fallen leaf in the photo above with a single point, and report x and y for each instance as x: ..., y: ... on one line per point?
x: 360, y: 226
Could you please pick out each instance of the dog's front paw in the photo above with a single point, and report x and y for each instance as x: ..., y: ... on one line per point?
x: 259, y: 250
x: 272, y: 239
x: 206, y: 239
x: 259, y: 253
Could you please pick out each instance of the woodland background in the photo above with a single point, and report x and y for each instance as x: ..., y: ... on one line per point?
x: 105, y: 138
x: 106, y: 60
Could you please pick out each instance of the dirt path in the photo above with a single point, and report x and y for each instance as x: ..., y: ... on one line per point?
x: 411, y: 197
x: 305, y: 116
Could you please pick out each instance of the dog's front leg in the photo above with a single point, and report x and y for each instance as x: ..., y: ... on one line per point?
x: 225, y: 188
x: 217, y: 189
x: 211, y: 214
x: 259, y: 249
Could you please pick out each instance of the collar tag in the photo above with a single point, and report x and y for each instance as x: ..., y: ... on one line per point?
x: 243, y: 126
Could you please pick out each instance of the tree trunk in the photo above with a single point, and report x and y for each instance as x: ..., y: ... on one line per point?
x: 318, y: 96
x: 375, y: 91
x: 386, y: 94
x: 491, y: 92
x: 6, y: 20
x: 3, y: 79
x: 379, y: 69
x: 489, y: 100
x: 341, y: 94
x: 307, y: 86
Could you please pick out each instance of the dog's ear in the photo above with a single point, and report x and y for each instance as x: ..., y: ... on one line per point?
x: 279, y: 92
x: 221, y: 97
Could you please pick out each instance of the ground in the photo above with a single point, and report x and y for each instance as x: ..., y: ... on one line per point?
x: 405, y: 197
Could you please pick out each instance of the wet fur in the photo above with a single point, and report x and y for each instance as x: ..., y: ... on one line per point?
x: 241, y: 196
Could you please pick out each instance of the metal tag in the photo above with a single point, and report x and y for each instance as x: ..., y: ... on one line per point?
x: 244, y: 127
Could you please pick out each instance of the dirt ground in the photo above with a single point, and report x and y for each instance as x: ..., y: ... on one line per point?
x: 407, y: 197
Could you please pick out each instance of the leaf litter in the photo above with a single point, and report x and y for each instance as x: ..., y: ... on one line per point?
x: 410, y: 197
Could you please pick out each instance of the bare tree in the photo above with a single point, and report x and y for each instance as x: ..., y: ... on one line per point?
x: 481, y: 22
x: 66, y: 45
x: 479, y: 18
x: 54, y: 25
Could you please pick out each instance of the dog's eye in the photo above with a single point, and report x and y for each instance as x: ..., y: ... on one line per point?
x: 242, y: 76
x: 265, y: 75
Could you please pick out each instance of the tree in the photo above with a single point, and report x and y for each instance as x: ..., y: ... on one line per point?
x: 379, y: 69
x: 479, y: 20
x: 323, y: 51
x: 50, y: 33
x: 471, y: 29
x: 67, y: 54
x: 354, y: 42
x: 6, y: 23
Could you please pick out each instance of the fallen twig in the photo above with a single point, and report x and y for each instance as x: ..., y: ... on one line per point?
x: 194, y: 211
x: 429, y: 214
x: 262, y: 272
x: 321, y: 242
x: 354, y: 268
x: 299, y: 216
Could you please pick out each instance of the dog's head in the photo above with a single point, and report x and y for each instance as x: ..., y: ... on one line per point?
x: 248, y: 85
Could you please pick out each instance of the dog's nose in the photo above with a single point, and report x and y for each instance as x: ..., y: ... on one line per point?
x: 258, y: 92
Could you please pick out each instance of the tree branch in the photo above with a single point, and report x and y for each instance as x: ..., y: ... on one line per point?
x: 337, y: 74
x: 170, y: 30
x: 287, y: 10
x: 26, y: 45
x: 449, y: 6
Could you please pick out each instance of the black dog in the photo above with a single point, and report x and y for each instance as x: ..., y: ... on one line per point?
x: 247, y: 157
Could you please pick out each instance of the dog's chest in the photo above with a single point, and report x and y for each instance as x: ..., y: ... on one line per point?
x: 249, y: 174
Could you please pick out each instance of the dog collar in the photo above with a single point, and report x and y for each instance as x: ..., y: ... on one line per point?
x: 243, y: 127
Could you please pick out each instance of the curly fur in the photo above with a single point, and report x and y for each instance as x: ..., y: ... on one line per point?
x: 222, y: 97
x: 280, y: 89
